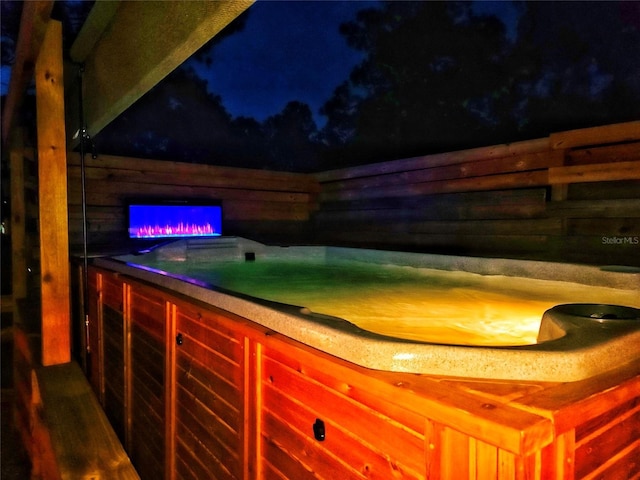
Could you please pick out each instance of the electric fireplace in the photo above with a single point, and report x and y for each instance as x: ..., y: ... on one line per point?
x: 174, y: 219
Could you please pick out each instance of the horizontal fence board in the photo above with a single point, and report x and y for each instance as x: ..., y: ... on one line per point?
x: 275, y: 232
x: 491, y: 182
x: 479, y: 168
x: 393, y: 221
x: 141, y: 168
x: 462, y: 244
x: 624, y: 152
x: 595, y: 208
x: 540, y: 226
x: 435, y: 211
x: 110, y: 194
x: 604, y: 226
x: 241, y: 181
x: 441, y: 159
x: 600, y: 172
x: 265, y: 211
x: 616, y: 133
x: 533, y: 196
x: 628, y: 189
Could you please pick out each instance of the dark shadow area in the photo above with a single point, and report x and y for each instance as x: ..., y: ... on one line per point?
x: 14, y: 461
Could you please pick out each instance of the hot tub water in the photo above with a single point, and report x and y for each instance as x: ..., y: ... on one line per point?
x: 420, y: 304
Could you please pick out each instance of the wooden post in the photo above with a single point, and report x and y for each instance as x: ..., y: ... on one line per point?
x: 52, y: 188
x: 33, y: 21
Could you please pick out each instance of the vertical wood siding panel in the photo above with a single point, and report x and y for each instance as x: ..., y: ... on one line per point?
x: 455, y: 454
x: 147, y: 449
x: 486, y: 460
x: 209, y: 395
x: 433, y: 453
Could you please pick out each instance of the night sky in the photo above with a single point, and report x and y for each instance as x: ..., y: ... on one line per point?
x: 292, y: 50
x: 287, y: 51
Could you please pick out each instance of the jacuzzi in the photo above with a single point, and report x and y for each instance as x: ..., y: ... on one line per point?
x: 411, y: 312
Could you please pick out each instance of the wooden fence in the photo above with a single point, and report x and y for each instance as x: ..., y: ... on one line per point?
x: 264, y: 205
x: 573, y: 196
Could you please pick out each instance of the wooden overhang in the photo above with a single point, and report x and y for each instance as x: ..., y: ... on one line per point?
x: 128, y: 47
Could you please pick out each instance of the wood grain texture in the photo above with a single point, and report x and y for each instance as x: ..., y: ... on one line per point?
x: 147, y: 370
x: 622, y: 132
x: 82, y: 442
x: 439, y: 203
x: 246, y: 398
x: 53, y: 223
x: 253, y: 200
x: 116, y: 74
x: 599, y: 172
x: 33, y: 25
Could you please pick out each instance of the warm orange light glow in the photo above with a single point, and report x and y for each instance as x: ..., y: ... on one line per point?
x: 497, y: 311
x: 421, y: 304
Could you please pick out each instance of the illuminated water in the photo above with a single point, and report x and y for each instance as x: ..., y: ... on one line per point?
x: 413, y: 303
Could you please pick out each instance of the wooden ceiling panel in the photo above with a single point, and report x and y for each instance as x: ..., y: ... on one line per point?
x: 139, y: 44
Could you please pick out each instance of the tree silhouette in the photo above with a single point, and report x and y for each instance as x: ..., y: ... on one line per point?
x: 428, y: 82
x: 290, y: 138
x: 575, y: 74
x: 176, y: 120
x: 179, y: 120
x: 438, y: 77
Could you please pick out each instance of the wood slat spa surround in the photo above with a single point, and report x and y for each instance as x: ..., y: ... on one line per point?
x: 209, y: 397
x: 360, y: 439
x: 146, y: 445
x: 209, y: 394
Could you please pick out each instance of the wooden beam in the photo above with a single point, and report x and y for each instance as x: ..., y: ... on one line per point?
x: 33, y: 23
x: 616, y: 133
x: 537, y: 146
x: 99, y: 18
x: 52, y: 188
x: 599, y: 172
x: 144, y: 42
